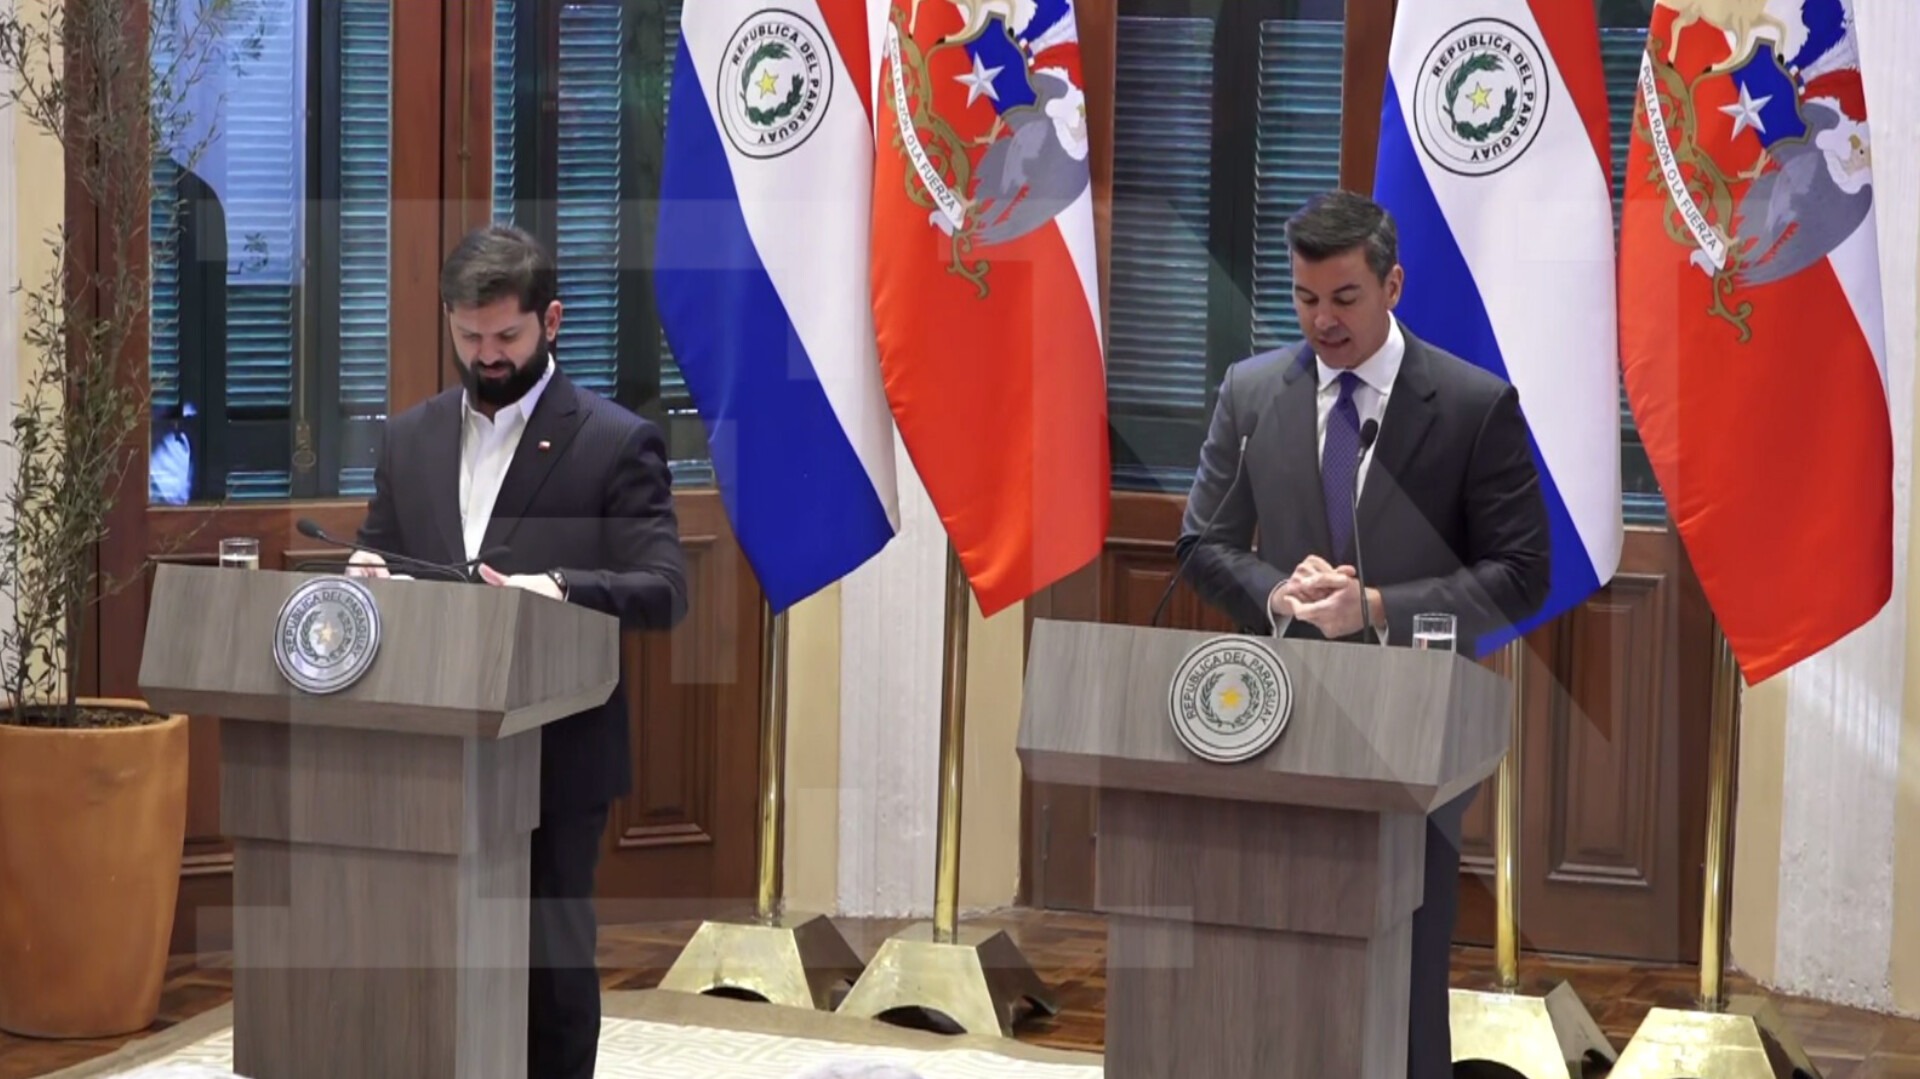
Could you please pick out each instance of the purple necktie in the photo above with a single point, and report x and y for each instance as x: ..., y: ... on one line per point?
x: 1339, y: 463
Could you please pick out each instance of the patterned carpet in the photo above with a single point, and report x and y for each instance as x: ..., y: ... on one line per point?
x: 659, y: 1035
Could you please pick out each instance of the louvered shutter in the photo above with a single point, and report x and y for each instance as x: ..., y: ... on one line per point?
x: 674, y: 395
x: 1297, y: 156
x: 264, y: 195
x: 365, y: 243
x: 163, y: 310
x: 1157, y: 376
x: 506, y: 50
x: 1620, y: 51
x: 259, y: 171
x: 588, y: 210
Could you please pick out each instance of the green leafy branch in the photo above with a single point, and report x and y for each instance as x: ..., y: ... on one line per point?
x: 116, y: 102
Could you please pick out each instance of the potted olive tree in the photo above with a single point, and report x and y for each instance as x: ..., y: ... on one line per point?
x: 92, y: 791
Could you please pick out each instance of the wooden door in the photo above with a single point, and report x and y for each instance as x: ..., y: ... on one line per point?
x: 1613, y: 812
x: 685, y: 839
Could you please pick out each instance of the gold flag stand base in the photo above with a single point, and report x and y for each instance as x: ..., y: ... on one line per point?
x: 1550, y: 1037
x: 797, y: 960
x: 781, y: 957
x: 1746, y: 1041
x: 975, y: 980
x: 1723, y: 1037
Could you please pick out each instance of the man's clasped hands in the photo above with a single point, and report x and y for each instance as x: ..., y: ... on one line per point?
x: 1325, y: 596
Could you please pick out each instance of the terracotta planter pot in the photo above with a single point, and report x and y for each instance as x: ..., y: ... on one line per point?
x: 92, y: 823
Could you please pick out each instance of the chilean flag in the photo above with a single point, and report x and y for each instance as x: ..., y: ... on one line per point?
x: 985, y: 293
x: 761, y: 278
x: 1751, y: 326
x: 1494, y: 162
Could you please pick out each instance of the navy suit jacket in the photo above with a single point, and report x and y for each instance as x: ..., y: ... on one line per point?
x: 596, y: 504
x: 1451, y: 514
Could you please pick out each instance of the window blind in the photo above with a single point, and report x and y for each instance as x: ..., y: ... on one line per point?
x: 1162, y: 187
x: 1158, y: 379
x: 506, y: 49
x: 1297, y: 156
x: 674, y: 395
x: 1620, y: 51
x: 263, y: 185
x: 366, y: 134
x: 588, y: 243
x: 163, y: 264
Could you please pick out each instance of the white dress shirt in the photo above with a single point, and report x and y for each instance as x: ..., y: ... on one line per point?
x: 487, y: 445
x: 1377, y: 374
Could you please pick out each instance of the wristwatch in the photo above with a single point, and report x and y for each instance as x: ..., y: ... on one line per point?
x: 559, y: 581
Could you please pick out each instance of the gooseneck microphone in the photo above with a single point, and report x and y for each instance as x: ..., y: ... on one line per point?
x: 1368, y: 432
x: 1179, y: 570
x: 459, y: 571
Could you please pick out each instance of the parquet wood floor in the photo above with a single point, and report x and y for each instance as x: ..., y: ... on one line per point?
x: 1069, y: 951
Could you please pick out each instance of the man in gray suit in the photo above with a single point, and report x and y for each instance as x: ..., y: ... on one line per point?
x: 1449, y: 517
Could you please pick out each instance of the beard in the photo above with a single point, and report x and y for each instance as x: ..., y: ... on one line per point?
x: 499, y: 393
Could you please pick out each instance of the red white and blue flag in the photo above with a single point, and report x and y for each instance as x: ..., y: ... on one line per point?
x: 761, y: 278
x: 1494, y: 162
x: 985, y: 287
x: 1751, y: 330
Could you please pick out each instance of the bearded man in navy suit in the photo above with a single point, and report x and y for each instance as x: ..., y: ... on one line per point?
x: 576, y: 488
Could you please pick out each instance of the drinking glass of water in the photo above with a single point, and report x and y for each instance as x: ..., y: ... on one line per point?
x: 239, y: 552
x: 1434, y: 631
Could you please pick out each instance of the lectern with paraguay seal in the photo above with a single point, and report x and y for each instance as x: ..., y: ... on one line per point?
x: 380, y: 782
x: 1262, y: 822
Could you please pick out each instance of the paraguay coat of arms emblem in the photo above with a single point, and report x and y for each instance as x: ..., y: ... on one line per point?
x: 1230, y: 700
x: 327, y: 634
x: 776, y: 81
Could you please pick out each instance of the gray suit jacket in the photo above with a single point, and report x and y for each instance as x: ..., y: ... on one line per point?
x: 1451, y: 517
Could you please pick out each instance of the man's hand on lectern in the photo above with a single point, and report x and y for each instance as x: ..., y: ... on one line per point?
x: 367, y: 564
x: 532, y: 582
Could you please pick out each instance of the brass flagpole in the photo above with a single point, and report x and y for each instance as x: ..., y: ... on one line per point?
x: 795, y: 959
x: 953, y: 747
x: 1740, y: 1037
x: 975, y: 978
x: 1546, y: 1037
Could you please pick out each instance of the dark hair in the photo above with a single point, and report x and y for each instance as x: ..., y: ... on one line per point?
x: 497, y: 261
x: 1339, y: 221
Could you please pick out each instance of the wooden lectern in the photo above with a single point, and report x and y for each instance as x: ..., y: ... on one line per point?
x: 381, y: 832
x: 1259, y: 912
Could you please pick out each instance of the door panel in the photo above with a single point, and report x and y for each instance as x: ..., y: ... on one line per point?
x: 686, y: 837
x: 1613, y: 812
